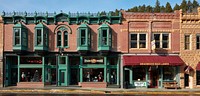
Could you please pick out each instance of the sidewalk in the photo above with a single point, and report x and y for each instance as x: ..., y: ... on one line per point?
x: 79, y: 90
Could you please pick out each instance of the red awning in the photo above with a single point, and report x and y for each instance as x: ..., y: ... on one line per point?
x: 152, y: 60
x: 198, y: 66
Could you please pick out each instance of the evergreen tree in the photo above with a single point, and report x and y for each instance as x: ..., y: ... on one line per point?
x: 176, y: 7
x: 149, y: 9
x: 195, y: 5
x: 189, y: 6
x: 183, y: 6
x: 143, y: 8
x: 135, y: 9
x: 168, y: 8
x: 157, y: 6
x: 162, y: 9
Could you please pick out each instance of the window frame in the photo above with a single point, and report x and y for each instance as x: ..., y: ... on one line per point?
x: 62, y: 38
x: 159, y: 43
x: 19, y: 37
x: 187, y: 43
x: 138, y: 40
x: 197, y: 42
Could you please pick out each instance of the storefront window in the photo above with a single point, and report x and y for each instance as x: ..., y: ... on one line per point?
x: 93, y: 75
x: 113, y: 60
x: 169, y: 73
x: 31, y: 75
x: 139, y: 73
x: 198, y: 77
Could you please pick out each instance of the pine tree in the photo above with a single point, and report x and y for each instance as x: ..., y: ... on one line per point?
x: 176, y: 7
x: 157, y: 6
x: 189, y: 6
x: 183, y: 6
x: 149, y: 9
x: 162, y: 9
x: 143, y: 8
x: 168, y: 8
x: 195, y: 5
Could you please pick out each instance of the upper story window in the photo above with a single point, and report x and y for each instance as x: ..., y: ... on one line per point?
x: 20, y: 37
x: 41, y: 35
x: 161, y: 40
x: 83, y: 36
x: 62, y: 37
x: 17, y: 36
x: 105, y: 36
x: 138, y: 40
x: 187, y: 42
x: 198, y: 41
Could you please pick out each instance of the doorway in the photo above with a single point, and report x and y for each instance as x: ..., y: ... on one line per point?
x: 186, y: 80
x: 154, y: 76
x: 62, y: 78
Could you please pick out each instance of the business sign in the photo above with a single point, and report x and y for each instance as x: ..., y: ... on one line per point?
x: 139, y: 84
x: 154, y: 63
x: 93, y: 60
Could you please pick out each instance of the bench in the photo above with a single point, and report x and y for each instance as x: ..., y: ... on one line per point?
x: 170, y: 85
x: 93, y: 84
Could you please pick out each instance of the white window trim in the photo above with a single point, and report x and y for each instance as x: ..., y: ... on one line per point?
x: 138, y: 40
x: 161, y: 39
x: 190, y: 43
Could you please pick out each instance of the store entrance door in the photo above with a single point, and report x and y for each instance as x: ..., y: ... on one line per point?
x: 62, y: 78
x: 154, y: 75
x: 186, y: 80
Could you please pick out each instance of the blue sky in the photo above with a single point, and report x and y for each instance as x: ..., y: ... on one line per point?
x: 76, y: 5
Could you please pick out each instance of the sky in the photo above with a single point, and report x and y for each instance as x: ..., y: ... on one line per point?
x: 74, y: 6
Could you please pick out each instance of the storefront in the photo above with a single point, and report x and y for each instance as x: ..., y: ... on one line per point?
x: 61, y: 70
x: 151, y: 71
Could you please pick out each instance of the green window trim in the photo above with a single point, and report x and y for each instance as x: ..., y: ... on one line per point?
x: 62, y: 37
x: 83, y: 37
x: 39, y: 40
x: 104, y: 36
x: 17, y: 36
x: 20, y: 37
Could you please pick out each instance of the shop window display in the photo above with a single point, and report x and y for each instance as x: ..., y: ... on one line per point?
x: 169, y: 73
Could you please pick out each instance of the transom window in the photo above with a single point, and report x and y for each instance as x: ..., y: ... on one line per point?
x: 187, y: 42
x: 62, y: 38
x: 138, y: 40
x: 198, y: 41
x: 161, y: 40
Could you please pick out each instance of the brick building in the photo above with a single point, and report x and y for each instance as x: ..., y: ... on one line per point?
x: 61, y: 49
x: 189, y: 49
x: 1, y: 52
x: 151, y: 53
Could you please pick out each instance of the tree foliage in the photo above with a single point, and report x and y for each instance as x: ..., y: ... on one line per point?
x: 168, y: 8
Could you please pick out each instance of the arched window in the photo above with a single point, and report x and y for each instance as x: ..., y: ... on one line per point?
x: 62, y: 37
x: 59, y: 38
x: 65, y: 39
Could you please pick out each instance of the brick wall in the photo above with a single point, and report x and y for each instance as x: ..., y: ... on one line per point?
x: 1, y: 52
x: 190, y: 26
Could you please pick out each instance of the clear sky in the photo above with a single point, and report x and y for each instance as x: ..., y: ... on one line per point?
x: 73, y: 6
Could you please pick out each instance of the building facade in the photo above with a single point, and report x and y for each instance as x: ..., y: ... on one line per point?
x: 189, y: 52
x: 1, y: 52
x: 148, y: 50
x: 61, y: 49
x: 151, y: 57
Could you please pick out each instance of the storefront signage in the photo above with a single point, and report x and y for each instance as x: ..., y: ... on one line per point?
x: 140, y: 84
x: 154, y: 63
x: 93, y: 60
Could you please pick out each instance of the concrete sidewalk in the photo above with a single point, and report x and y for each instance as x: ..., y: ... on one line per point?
x: 78, y: 90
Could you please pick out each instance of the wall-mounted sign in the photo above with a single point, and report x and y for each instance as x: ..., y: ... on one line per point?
x: 154, y: 63
x: 93, y: 60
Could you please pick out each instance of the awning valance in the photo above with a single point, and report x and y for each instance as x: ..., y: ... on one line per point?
x: 152, y: 60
